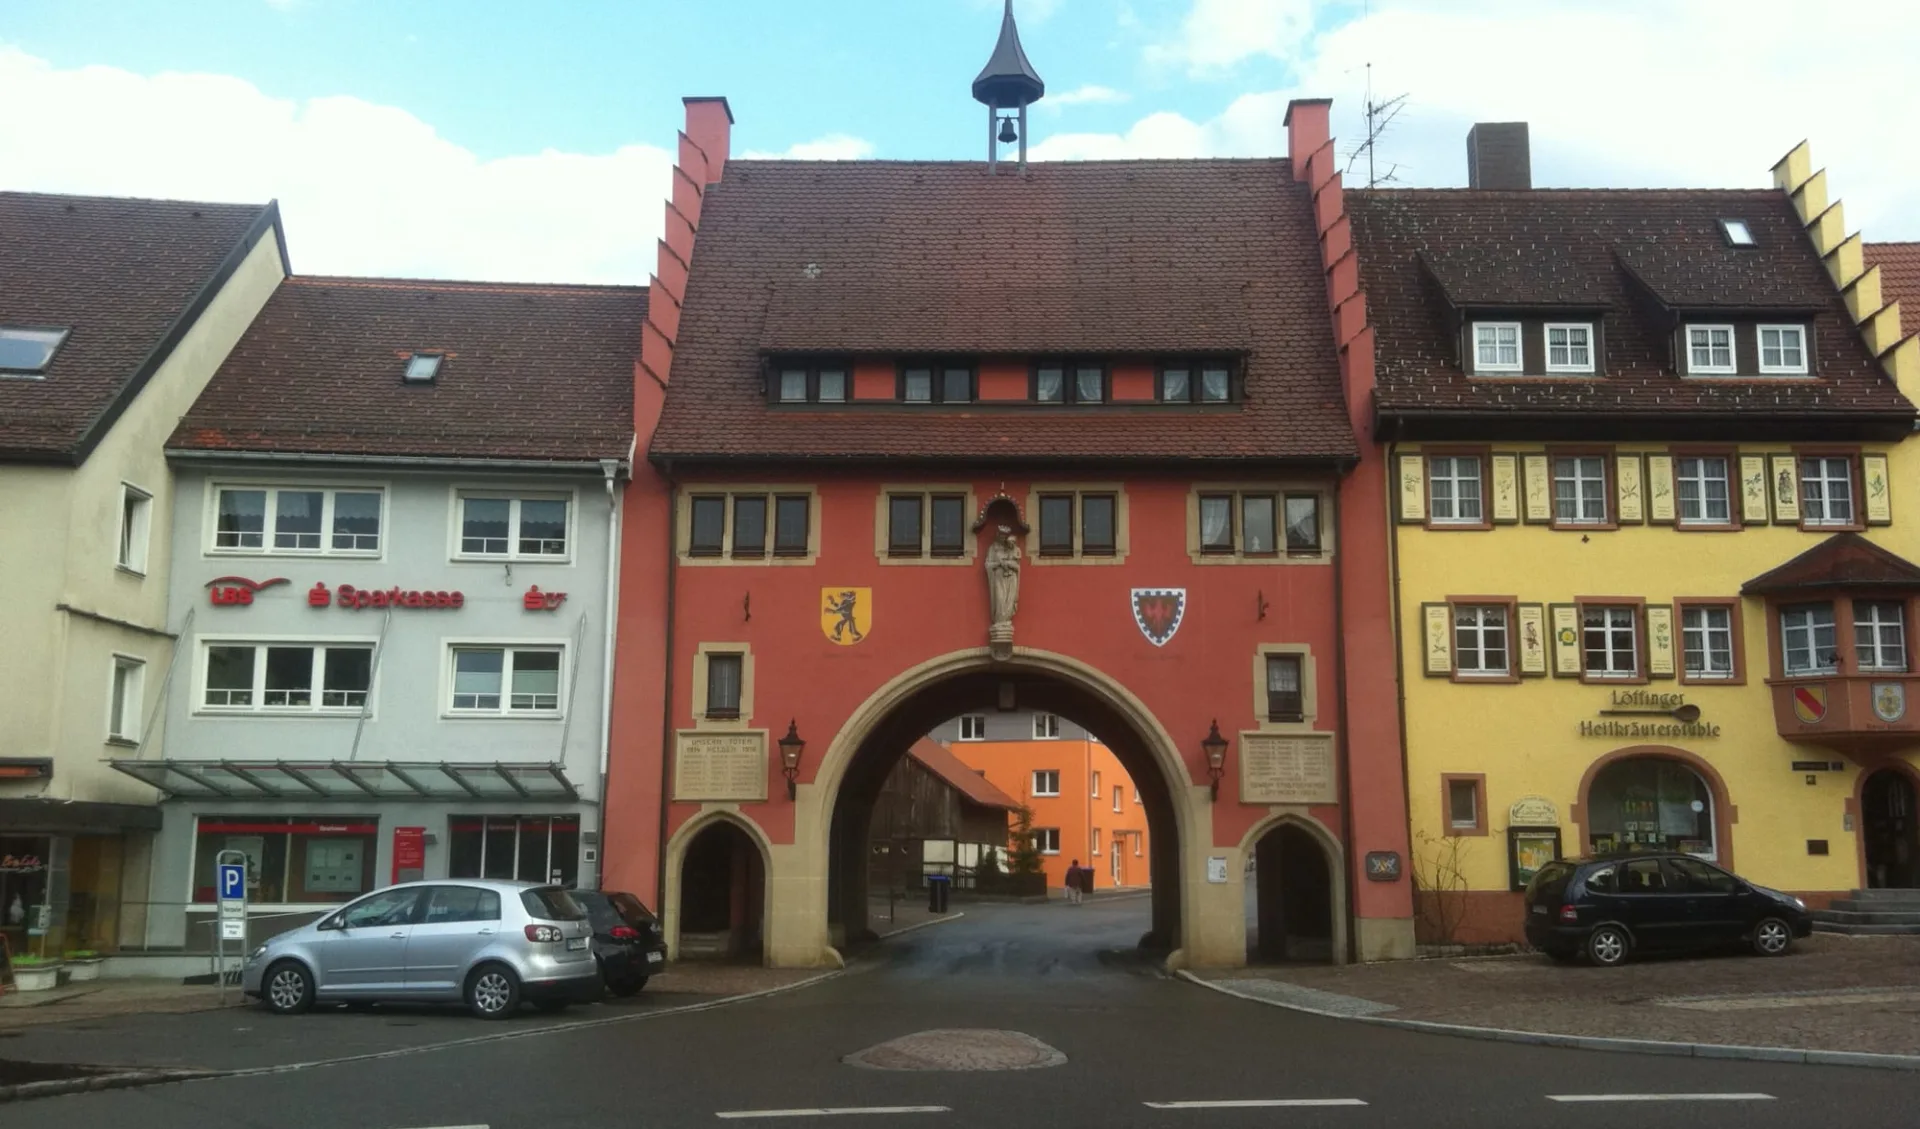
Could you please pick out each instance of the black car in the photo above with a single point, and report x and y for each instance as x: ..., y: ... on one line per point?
x: 627, y: 940
x: 1607, y: 907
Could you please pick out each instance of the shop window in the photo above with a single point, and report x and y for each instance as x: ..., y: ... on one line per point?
x: 513, y: 528
x: 267, y: 519
x: 1650, y: 803
x: 23, y: 884
x: 290, y: 859
x: 514, y: 848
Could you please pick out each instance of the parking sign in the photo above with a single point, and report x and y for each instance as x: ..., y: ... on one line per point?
x: 233, y: 882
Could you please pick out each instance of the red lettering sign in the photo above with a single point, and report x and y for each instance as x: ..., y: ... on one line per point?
x: 537, y: 601
x: 354, y: 599
x: 318, y: 596
x: 409, y: 853
x: 228, y: 591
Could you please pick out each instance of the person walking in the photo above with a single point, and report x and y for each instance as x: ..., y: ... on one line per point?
x: 1073, y: 883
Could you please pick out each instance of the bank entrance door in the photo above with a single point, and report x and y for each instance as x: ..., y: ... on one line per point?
x: 1887, y: 825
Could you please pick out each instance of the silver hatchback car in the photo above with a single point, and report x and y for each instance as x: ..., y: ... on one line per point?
x: 489, y: 944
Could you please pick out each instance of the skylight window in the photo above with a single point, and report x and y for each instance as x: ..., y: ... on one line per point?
x: 423, y: 367
x: 1737, y: 232
x: 24, y: 350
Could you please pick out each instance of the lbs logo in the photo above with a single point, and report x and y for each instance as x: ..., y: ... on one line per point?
x: 226, y: 591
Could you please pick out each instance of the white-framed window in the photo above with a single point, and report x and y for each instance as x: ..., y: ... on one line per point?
x: 1118, y: 796
x: 1046, y: 726
x: 259, y: 676
x: 1139, y: 842
x: 1094, y: 848
x: 973, y: 727
x: 1710, y: 350
x: 1047, y: 840
x: 136, y: 528
x: 1046, y: 782
x: 322, y: 521
x: 1580, y: 490
x: 1095, y: 775
x: 1611, y: 648
x: 1496, y: 346
x: 124, y: 699
x: 516, y: 681
x: 1453, y: 484
x: 1879, y: 635
x: 1706, y: 641
x: 1480, y: 639
x: 1569, y: 347
x: 1807, y: 642
x: 1704, y: 489
x: 1826, y: 490
x: 514, y: 527
x: 1783, y: 350
x: 1737, y: 233
x: 1136, y: 793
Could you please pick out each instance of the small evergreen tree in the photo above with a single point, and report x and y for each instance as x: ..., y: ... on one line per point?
x: 1023, y: 855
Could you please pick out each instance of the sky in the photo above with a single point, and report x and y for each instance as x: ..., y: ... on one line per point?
x: 501, y: 139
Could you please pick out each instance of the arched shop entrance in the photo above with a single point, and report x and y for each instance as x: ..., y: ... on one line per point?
x: 720, y: 892
x: 879, y: 734
x: 1889, y: 834
x: 1654, y: 799
x: 1295, y: 900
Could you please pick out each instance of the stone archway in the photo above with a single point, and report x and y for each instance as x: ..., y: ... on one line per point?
x: 1196, y: 922
x: 1292, y: 848
x: 1725, y: 813
x: 747, y: 882
x: 1887, y: 800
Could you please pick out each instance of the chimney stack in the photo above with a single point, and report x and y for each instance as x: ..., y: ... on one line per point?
x: 1498, y: 156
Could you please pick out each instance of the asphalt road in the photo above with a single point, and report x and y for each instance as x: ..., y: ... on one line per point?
x: 1134, y: 1043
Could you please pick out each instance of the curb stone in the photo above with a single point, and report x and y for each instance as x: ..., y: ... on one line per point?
x: 891, y: 933
x: 1595, y: 1042
x: 125, y: 1079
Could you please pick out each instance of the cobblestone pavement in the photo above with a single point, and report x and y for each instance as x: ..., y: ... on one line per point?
x: 959, y: 1049
x: 1831, y: 993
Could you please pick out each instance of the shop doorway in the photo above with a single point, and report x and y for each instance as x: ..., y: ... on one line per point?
x: 1888, y: 830
x: 1290, y: 897
x: 722, y: 895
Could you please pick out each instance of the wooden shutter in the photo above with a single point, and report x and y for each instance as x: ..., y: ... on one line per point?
x: 1436, y: 626
x: 1660, y: 497
x: 1629, y: 490
x: 1413, y: 488
x: 1877, y: 484
x: 1786, y: 489
x: 1565, y: 621
x: 1660, y: 642
x: 1539, y: 489
x: 1753, y: 489
x: 1504, y: 470
x: 1530, y: 639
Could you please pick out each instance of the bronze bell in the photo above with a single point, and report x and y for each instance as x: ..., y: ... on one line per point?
x: 1007, y: 134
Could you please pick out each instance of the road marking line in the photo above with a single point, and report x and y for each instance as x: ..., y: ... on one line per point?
x: 1254, y: 1103
x: 1660, y: 1097
x: 840, y: 1111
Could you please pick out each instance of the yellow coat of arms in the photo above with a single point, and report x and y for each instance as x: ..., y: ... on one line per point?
x: 846, y: 614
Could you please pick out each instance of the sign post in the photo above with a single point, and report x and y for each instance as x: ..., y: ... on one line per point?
x: 230, y: 874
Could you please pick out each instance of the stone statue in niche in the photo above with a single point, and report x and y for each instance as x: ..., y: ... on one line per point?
x: 1003, y: 592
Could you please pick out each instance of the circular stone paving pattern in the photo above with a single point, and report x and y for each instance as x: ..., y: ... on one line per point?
x: 959, y: 1049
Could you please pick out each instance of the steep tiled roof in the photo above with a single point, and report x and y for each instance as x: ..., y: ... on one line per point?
x: 531, y: 372
x: 1845, y: 560
x: 123, y: 276
x: 1899, y: 265
x: 940, y: 761
x: 1420, y: 247
x: 1106, y: 257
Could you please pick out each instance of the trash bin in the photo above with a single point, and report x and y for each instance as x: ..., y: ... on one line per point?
x: 939, y: 886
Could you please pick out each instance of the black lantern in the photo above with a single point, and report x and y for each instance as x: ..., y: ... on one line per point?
x: 791, y: 747
x: 1215, y: 746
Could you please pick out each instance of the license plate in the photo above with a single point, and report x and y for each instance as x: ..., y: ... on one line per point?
x: 1541, y: 910
x: 575, y: 944
x: 653, y: 958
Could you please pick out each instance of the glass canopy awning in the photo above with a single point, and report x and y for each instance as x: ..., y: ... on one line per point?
x: 352, y: 780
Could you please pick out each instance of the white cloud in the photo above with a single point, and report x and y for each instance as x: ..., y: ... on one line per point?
x: 1092, y: 94
x: 831, y: 147
x: 1620, y: 94
x: 364, y: 188
x: 1219, y: 33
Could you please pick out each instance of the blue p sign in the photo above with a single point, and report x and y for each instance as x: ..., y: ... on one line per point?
x: 233, y: 882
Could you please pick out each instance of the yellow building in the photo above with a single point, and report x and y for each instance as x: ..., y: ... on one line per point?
x: 1652, y: 532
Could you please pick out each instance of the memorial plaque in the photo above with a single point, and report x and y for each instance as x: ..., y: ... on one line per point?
x: 720, y: 766
x: 1533, y: 811
x: 1277, y: 769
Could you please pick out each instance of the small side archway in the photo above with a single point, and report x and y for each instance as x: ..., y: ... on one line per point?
x: 1887, y: 803
x: 715, y: 901
x: 1295, y: 894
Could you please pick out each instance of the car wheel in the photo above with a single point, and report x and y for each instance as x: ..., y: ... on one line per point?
x: 287, y: 988
x: 493, y: 991
x: 1608, y: 946
x: 1772, y: 937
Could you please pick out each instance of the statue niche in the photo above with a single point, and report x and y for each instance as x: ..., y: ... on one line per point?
x: 1003, y: 572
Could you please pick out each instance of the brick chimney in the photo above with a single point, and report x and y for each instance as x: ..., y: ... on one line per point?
x: 1309, y: 126
x: 1498, y: 156
x: 710, y: 126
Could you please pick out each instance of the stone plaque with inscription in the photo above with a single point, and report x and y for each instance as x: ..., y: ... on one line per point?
x: 720, y: 766
x: 1287, y: 769
x: 1533, y: 811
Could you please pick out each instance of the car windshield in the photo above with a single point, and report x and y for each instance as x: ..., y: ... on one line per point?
x: 551, y: 903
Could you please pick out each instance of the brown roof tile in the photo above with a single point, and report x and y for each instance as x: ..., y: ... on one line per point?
x: 1845, y: 560
x: 968, y: 781
x: 1111, y: 257
x: 1899, y: 265
x: 531, y: 372
x: 1418, y: 247
x: 123, y: 275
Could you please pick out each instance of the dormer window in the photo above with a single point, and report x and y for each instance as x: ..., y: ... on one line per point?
x: 1196, y: 382
x: 1569, y: 347
x: 1069, y: 382
x: 927, y: 383
x: 1496, y: 346
x: 810, y: 382
x: 423, y: 368
x: 24, y: 350
x: 1783, y: 350
x: 1737, y: 233
x: 1710, y: 350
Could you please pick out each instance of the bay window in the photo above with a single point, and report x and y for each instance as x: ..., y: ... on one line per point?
x: 1807, y: 642
x: 1879, y: 635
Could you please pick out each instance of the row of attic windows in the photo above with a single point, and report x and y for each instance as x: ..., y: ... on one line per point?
x: 1564, y: 348
x: 1084, y: 381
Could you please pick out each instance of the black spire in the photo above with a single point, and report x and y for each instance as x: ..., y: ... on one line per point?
x: 1008, y: 80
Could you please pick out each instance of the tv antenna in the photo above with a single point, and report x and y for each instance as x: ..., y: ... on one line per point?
x: 1381, y: 114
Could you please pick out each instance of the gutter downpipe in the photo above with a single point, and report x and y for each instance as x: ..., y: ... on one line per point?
x: 611, y: 469
x: 1346, y: 739
x: 666, y: 711
x: 1399, y: 653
